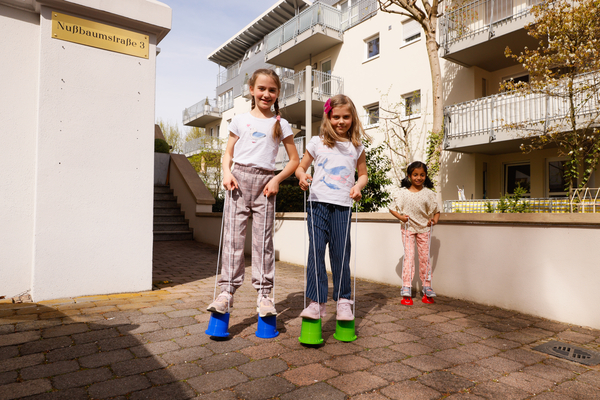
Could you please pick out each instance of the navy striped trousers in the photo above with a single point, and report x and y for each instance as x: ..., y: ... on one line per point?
x: 331, y: 226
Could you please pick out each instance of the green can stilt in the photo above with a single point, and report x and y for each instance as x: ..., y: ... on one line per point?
x: 345, y: 331
x: 310, y: 332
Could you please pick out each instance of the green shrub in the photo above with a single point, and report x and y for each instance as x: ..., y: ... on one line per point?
x: 219, y: 204
x: 161, y: 146
x: 290, y: 198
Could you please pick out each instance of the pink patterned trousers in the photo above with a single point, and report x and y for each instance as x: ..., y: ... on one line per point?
x: 408, y: 268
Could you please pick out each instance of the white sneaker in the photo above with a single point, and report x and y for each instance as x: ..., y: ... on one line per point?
x: 314, y: 311
x: 222, y: 304
x: 265, y: 306
x: 344, y: 310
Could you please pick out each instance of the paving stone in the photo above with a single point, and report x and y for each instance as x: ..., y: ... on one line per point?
x: 591, y: 378
x: 94, y: 336
x: 18, y: 338
x: 552, y: 396
x: 309, y: 374
x: 8, y: 377
x: 193, y: 340
x: 412, y: 349
x: 427, y: 363
x: 150, y: 349
x: 445, y: 382
x: 8, y: 352
x: 317, y: 391
x: 394, y: 372
x: 81, y: 378
x: 526, y: 382
x: 500, y: 364
x: 261, y: 368
x: 120, y: 342
x: 237, y: 343
x: 482, y: 333
x: 222, y: 361
x: 464, y: 396
x: 523, y: 356
x: 12, y: 364
x: 105, y: 358
x: 423, y: 332
x: 146, y: 318
x: 72, y: 352
x: 455, y: 356
x: 68, y: 394
x: 381, y: 355
x: 493, y: 390
x: 409, y: 390
x: 340, y: 349
x: 519, y: 337
x: 475, y: 373
x: 357, y: 382
x: 500, y: 344
x: 164, y: 334
x: 575, y: 337
x: 155, y: 310
x: 552, y: 326
x: 304, y: 357
x: 568, y: 365
x: 23, y: 389
x: 578, y: 390
x: 186, y: 355
x: 137, y: 366
x: 175, y: 391
x: 119, y: 386
x: 175, y: 373
x: 262, y: 351
x: 39, y: 346
x: 222, y: 395
x: 64, y: 330
x: 439, y: 343
x: 369, y: 396
x: 141, y: 328
x: 388, y: 327
x: 217, y: 380
x: 479, y: 350
x: 47, y: 370
x: 349, y: 363
x: 549, y: 372
x: 177, y: 322
x: 371, y: 342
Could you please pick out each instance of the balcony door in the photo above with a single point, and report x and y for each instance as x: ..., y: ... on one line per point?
x: 326, y: 77
x: 497, y: 10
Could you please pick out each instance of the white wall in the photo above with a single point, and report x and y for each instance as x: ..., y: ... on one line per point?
x: 539, y: 264
x: 82, y: 170
x: 18, y: 116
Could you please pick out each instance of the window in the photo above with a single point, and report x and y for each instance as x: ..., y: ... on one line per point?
x: 412, y: 104
x: 225, y: 100
x: 516, y: 79
x: 372, y: 115
x: 372, y: 47
x: 212, y: 131
x: 555, y: 171
x: 517, y: 175
x: 411, y: 31
x: 218, y: 126
x: 349, y: 10
x: 258, y: 48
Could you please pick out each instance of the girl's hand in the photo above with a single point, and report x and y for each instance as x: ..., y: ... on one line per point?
x: 401, y: 217
x: 355, y: 193
x: 305, y: 181
x: 272, y: 188
x: 229, y: 182
x: 431, y: 222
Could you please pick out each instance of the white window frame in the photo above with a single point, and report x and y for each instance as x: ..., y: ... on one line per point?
x: 369, y: 40
x: 405, y: 97
x: 367, y: 121
x: 547, y: 180
x: 410, y: 25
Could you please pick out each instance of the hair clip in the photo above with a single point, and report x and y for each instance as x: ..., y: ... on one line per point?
x: 279, y: 118
x: 327, y: 106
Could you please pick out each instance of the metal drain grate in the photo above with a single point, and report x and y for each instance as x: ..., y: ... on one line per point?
x: 570, y: 352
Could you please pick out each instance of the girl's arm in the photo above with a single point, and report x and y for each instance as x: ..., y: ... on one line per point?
x: 363, y: 178
x: 435, y: 219
x: 401, y: 217
x: 272, y: 188
x: 301, y: 174
x: 229, y: 181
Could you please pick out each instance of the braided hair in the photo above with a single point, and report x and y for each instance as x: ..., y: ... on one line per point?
x: 277, y: 131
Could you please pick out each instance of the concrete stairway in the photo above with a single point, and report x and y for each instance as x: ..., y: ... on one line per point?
x: 169, y: 221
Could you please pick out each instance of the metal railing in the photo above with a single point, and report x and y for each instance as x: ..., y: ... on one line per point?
x: 231, y: 72
x: 204, y: 143
x: 323, y: 85
x: 487, y: 115
x: 358, y: 12
x: 585, y: 200
x: 199, y: 109
x: 465, y: 20
x: 282, y: 157
x: 317, y: 14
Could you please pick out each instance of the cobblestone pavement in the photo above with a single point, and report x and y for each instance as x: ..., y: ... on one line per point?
x: 152, y: 345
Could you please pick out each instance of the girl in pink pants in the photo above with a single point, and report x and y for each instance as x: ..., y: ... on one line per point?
x: 419, y: 211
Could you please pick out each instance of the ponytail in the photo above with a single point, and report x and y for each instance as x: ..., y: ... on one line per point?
x: 277, y: 131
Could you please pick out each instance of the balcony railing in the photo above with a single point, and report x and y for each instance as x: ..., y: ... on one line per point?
x: 323, y: 85
x: 199, y: 109
x: 488, y: 115
x: 282, y: 157
x: 317, y: 14
x: 204, y: 143
x: 460, y: 22
x: 231, y: 72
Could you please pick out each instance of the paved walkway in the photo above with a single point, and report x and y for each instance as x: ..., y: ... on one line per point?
x: 152, y: 345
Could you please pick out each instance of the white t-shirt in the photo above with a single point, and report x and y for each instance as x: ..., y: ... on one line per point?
x: 334, y: 171
x: 420, y: 207
x: 256, y: 146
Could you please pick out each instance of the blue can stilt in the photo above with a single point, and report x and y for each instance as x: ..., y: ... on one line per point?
x: 345, y: 331
x: 310, y: 332
x: 267, y: 327
x: 218, y: 325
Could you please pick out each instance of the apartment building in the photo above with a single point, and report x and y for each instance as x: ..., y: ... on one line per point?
x: 323, y: 48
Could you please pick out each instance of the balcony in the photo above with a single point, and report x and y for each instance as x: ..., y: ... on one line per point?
x: 282, y: 157
x: 314, y: 30
x: 293, y: 93
x: 201, y: 113
x: 202, y: 144
x: 476, y: 33
x: 483, y: 125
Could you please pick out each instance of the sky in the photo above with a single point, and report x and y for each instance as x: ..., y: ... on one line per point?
x: 184, y: 76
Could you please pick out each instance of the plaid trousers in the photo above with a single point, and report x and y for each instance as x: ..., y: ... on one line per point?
x: 248, y: 200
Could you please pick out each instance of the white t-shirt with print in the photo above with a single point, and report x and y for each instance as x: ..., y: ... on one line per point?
x: 334, y: 171
x: 420, y: 207
x: 256, y: 146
